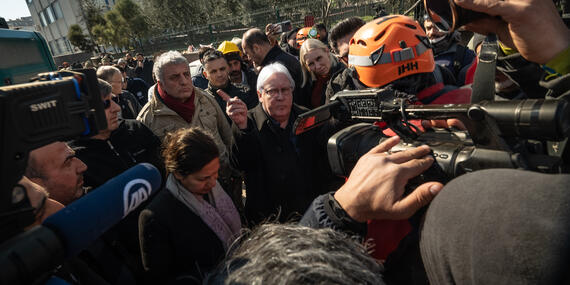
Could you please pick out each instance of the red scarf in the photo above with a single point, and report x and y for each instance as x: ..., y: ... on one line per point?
x: 184, y: 110
x: 317, y: 94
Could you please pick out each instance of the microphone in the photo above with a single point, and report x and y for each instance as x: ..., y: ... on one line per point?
x: 31, y: 255
x: 84, y: 220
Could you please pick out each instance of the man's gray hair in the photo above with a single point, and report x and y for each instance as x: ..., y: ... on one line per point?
x: 294, y: 254
x: 104, y: 87
x: 106, y: 72
x: 167, y: 58
x: 271, y: 69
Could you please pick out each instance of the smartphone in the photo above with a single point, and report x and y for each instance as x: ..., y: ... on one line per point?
x: 284, y: 26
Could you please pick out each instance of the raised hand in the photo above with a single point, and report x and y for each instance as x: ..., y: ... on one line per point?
x: 235, y: 108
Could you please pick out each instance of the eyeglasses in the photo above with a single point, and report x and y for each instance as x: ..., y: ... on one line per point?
x: 272, y: 93
x: 107, y: 104
x: 122, y: 80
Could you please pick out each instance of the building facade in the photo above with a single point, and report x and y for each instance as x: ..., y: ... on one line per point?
x: 52, y: 18
x: 23, y: 23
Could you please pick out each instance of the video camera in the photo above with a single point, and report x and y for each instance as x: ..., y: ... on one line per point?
x: 502, y: 134
x: 58, y: 106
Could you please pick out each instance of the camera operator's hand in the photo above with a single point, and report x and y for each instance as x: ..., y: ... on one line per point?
x: 376, y: 184
x: 449, y: 123
x: 533, y: 27
x: 44, y: 206
x: 235, y: 108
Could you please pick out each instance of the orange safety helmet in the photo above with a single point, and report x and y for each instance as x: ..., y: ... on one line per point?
x: 389, y: 48
x: 306, y: 33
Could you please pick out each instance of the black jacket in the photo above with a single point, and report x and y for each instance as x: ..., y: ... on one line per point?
x: 176, y: 243
x: 339, y: 81
x: 281, y: 170
x: 145, y: 72
x: 251, y: 78
x: 130, y: 144
x: 276, y: 54
x: 139, y: 88
x: 199, y: 80
x: 289, y: 49
x: 130, y: 106
x: 249, y: 99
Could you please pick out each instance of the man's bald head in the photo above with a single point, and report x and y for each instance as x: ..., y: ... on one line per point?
x: 55, y: 167
x: 255, y: 36
x: 255, y: 45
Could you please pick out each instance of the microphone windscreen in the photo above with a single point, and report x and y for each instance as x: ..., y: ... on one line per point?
x: 84, y: 220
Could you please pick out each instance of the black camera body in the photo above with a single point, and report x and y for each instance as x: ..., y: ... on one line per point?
x: 58, y: 106
x: 504, y: 134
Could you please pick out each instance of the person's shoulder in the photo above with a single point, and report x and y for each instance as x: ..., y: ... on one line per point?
x: 204, y: 95
x: 257, y: 114
x: 128, y: 95
x: 146, y: 113
x: 342, y: 78
x: 135, y: 128
x: 161, y: 203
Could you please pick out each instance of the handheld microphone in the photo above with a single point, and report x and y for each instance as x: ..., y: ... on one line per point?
x: 31, y: 255
x: 84, y: 220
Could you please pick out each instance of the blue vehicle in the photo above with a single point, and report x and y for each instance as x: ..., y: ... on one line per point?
x: 23, y: 54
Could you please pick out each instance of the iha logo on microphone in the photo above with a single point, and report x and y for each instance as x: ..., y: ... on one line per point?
x: 135, y: 192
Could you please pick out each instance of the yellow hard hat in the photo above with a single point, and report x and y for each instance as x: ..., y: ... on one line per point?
x: 228, y: 47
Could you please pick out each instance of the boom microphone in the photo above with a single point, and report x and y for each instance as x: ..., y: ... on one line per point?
x: 32, y: 254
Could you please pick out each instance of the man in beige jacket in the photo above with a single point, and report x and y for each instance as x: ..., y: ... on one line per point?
x: 175, y: 103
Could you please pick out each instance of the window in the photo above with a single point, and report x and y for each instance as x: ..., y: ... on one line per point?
x: 62, y: 46
x: 54, y: 47
x: 57, y: 10
x: 67, y: 45
x: 50, y: 16
x: 43, y: 18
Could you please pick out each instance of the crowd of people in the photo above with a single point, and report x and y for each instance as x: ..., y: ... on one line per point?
x: 246, y: 200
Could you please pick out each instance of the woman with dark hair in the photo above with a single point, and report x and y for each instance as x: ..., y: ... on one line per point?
x: 186, y: 229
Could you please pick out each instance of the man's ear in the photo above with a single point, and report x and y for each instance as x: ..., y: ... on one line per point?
x: 256, y: 48
x: 205, y: 74
x: 259, y: 94
x: 178, y: 176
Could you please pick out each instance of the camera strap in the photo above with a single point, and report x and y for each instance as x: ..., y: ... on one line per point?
x: 484, y: 80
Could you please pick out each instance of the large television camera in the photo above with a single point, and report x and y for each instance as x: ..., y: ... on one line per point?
x: 499, y: 134
x: 57, y: 106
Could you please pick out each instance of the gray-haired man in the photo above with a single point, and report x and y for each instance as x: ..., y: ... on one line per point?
x: 284, y: 172
x: 175, y: 103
